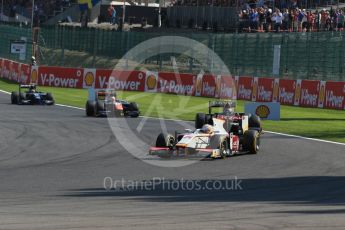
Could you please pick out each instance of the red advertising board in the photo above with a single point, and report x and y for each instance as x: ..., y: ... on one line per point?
x: 265, y: 89
x: 227, y: 87
x: 1, y: 66
x: 60, y: 77
x: 176, y: 83
x: 24, y: 74
x: 120, y: 80
x: 309, y: 93
x: 286, y: 93
x: 245, y: 88
x: 208, y: 86
x: 334, y: 95
x: 6, y: 68
x: 14, y: 71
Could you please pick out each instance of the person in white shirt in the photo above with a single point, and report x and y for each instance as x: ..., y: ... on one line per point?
x: 278, y: 20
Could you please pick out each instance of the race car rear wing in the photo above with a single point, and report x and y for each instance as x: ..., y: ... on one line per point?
x: 30, y: 87
x: 27, y: 86
x: 215, y: 104
x: 103, y: 94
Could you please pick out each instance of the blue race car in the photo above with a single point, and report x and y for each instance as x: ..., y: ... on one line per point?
x: 31, y: 96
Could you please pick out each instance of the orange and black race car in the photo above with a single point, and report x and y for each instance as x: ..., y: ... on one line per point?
x: 106, y: 104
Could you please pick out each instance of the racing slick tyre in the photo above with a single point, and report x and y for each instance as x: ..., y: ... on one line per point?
x: 221, y: 143
x: 21, y: 97
x: 32, y: 99
x: 208, y: 119
x: 50, y: 98
x: 252, y: 141
x: 165, y: 140
x: 254, y: 122
x: 100, y: 106
x: 14, y: 97
x: 200, y: 120
x: 134, y: 108
x: 91, y: 108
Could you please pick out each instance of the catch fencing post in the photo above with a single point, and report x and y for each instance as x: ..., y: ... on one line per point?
x: 63, y: 46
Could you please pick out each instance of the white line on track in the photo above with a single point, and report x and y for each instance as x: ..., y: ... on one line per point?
x: 276, y: 133
x: 68, y: 106
x: 2, y: 91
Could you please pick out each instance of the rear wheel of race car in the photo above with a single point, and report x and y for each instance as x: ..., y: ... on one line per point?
x: 200, y: 120
x: 208, y: 119
x: 252, y: 141
x: 100, y: 106
x: 14, y: 97
x: 165, y: 140
x: 90, y: 108
x: 22, y: 96
x: 254, y: 122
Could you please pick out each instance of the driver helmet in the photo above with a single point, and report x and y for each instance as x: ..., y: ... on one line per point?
x: 113, y: 99
x: 228, y: 109
x: 208, y: 129
x: 32, y: 89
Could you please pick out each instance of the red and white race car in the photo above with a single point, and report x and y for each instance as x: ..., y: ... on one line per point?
x: 217, y: 135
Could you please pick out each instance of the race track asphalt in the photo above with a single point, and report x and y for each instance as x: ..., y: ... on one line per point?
x: 53, y: 161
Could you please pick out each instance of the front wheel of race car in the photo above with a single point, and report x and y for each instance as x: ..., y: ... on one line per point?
x: 50, y: 98
x: 90, y: 108
x: 252, y: 141
x: 221, y: 143
x: 133, y: 106
x: 165, y: 140
x: 135, y: 115
x: 14, y: 97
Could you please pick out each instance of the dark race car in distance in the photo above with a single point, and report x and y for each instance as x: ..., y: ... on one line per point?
x: 28, y: 95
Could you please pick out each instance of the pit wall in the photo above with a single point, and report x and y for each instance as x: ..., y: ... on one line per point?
x: 304, y: 93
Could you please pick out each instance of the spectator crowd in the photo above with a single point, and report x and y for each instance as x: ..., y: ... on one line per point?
x: 264, y: 19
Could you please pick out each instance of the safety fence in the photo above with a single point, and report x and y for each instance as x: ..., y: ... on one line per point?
x: 310, y: 55
x: 304, y: 93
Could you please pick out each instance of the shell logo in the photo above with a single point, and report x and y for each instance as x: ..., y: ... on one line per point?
x: 89, y: 79
x: 262, y: 111
x: 322, y: 94
x: 34, y: 76
x: 151, y: 82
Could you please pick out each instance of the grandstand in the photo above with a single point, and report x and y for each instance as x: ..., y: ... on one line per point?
x: 45, y: 9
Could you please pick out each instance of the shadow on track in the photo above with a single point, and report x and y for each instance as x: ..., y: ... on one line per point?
x: 314, y: 190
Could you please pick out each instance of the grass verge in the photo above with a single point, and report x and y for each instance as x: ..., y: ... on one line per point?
x: 309, y: 122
